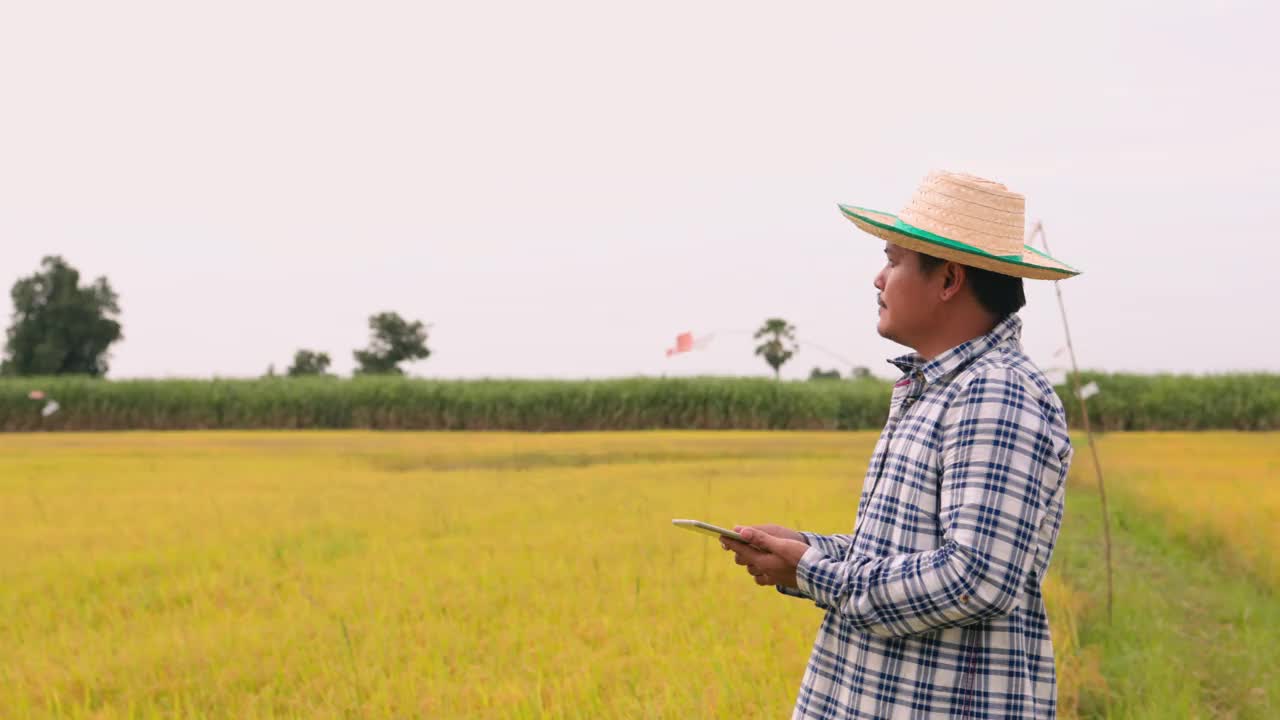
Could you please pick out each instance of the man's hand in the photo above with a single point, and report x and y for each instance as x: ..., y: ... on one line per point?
x: 775, y: 530
x: 770, y: 554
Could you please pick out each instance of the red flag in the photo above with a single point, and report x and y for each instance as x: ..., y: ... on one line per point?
x: 684, y: 343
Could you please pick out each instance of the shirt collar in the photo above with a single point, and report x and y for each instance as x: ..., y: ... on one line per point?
x: 1008, y: 329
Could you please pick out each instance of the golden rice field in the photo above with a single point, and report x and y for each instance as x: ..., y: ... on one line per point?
x: 437, y: 575
x: 1216, y: 488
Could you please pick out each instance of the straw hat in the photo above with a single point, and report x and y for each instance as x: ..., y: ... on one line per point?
x: 964, y: 219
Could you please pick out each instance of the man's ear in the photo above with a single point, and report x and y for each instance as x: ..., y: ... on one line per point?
x: 953, y: 276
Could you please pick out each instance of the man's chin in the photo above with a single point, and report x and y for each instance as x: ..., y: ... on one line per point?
x: 886, y: 332
x: 883, y: 329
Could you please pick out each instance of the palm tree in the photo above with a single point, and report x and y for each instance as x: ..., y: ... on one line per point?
x: 776, y: 350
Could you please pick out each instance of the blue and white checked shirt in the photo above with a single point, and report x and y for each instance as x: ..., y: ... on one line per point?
x: 933, y: 605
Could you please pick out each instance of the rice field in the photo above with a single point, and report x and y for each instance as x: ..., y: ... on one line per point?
x: 508, y: 575
x: 1219, y: 491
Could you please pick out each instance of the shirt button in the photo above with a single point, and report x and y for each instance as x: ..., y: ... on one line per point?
x: 964, y: 599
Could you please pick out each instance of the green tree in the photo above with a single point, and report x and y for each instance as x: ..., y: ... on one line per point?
x: 820, y: 374
x: 393, y: 341
x: 308, y: 362
x: 60, y: 327
x: 780, y: 345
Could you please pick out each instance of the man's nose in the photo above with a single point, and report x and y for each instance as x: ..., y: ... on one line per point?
x: 879, y: 280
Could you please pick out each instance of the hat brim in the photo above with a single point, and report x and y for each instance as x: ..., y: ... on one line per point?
x: 1032, y: 264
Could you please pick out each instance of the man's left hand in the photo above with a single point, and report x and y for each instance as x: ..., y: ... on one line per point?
x: 771, y: 560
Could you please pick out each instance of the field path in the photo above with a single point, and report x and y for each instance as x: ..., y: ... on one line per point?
x: 1192, y: 636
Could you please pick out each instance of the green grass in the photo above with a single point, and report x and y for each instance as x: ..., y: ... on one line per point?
x: 1127, y: 402
x: 396, y: 403
x: 1192, y: 637
x: 1164, y: 401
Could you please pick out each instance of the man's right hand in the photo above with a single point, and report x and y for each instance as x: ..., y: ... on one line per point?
x: 771, y: 555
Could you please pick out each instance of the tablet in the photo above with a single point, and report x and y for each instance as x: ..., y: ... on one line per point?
x: 707, y: 529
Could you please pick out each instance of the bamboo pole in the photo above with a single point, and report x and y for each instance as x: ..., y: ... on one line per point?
x: 1084, y: 413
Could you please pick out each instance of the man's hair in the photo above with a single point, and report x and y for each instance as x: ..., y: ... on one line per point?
x: 1000, y: 295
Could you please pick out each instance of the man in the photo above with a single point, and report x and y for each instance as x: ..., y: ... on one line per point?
x: 933, y: 604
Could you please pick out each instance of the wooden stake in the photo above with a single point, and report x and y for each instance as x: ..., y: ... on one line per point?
x: 1084, y: 413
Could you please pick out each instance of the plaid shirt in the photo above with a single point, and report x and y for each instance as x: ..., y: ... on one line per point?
x: 933, y: 605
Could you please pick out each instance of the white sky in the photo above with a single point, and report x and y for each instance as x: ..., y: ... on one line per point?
x: 561, y: 187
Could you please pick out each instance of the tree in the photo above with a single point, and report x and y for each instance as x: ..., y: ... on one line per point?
x: 60, y: 327
x: 775, y: 350
x: 393, y: 341
x: 308, y: 362
x: 820, y: 374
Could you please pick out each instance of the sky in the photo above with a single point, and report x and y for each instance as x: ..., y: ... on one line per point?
x: 560, y: 188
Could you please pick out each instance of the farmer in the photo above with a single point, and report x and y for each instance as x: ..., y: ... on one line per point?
x: 933, y: 604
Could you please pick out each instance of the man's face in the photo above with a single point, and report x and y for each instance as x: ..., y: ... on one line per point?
x: 908, y: 298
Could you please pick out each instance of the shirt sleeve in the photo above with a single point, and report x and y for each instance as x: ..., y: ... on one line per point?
x: 999, y: 469
x: 832, y: 546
